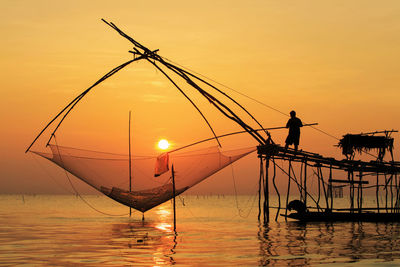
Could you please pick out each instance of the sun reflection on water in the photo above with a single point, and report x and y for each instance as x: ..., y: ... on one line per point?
x: 34, y: 234
x: 163, y: 213
x: 164, y: 227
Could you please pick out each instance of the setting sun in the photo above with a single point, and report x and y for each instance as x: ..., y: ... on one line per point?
x: 163, y: 144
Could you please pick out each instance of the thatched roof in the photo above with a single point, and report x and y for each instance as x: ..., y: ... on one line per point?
x: 358, y: 142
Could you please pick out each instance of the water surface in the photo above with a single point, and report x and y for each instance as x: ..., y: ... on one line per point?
x: 211, y: 231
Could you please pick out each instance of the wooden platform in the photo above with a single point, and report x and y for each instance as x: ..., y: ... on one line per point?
x: 278, y: 152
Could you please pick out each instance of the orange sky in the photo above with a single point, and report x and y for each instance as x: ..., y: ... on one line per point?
x: 334, y: 62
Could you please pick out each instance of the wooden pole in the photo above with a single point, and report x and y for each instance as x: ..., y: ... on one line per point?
x: 301, y: 182
x: 319, y: 186
x: 173, y: 192
x: 391, y: 192
x: 288, y: 189
x: 305, y: 182
x: 259, y: 188
x: 331, y: 186
x: 323, y: 187
x: 386, y: 193
x: 130, y: 161
x: 351, y: 189
x: 361, y: 192
x: 377, y: 191
x: 276, y: 190
x: 266, y: 191
x: 397, y: 193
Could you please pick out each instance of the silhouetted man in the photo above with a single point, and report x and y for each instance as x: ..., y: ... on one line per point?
x: 294, y: 125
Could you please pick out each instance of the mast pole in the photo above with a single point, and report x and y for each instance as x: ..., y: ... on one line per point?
x: 130, y: 160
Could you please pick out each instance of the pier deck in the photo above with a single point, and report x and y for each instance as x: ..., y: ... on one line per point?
x: 279, y: 152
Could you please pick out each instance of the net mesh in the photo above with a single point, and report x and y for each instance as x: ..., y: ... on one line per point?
x: 109, y: 173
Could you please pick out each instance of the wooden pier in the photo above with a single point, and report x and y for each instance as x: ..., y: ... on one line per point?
x: 358, y: 173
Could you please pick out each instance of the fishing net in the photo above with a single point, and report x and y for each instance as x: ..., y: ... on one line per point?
x: 109, y: 173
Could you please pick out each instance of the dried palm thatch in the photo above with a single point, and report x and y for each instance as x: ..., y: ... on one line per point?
x: 359, y: 142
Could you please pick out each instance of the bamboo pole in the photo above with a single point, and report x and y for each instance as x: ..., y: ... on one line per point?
x: 323, y: 187
x: 305, y: 182
x: 130, y: 160
x: 351, y: 188
x: 67, y: 109
x: 386, y: 194
x: 173, y: 192
x: 377, y: 191
x: 391, y: 193
x: 266, y: 190
x: 361, y: 192
x: 288, y: 189
x: 259, y: 188
x: 331, y: 186
x: 319, y: 186
x: 276, y: 190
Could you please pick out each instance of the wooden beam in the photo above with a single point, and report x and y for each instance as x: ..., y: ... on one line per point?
x: 347, y: 181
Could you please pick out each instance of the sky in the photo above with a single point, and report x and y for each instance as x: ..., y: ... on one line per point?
x: 335, y: 62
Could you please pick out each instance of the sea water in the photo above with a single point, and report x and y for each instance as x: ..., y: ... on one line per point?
x: 57, y: 230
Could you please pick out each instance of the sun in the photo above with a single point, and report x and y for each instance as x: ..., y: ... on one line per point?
x: 163, y: 144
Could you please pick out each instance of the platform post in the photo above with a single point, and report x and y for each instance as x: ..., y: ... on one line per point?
x: 331, y: 186
x: 259, y: 187
x: 305, y: 182
x: 288, y: 189
x: 351, y: 189
x: 397, y: 193
x: 386, y: 194
x: 391, y: 192
x: 173, y: 192
x: 377, y: 191
x: 323, y: 186
x: 266, y: 191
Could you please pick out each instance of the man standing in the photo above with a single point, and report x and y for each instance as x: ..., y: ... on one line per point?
x: 294, y: 125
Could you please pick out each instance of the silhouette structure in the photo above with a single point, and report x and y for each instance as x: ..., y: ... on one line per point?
x: 294, y: 125
x: 351, y: 143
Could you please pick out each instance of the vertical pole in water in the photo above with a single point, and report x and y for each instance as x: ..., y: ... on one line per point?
x: 331, y: 186
x: 377, y: 191
x: 397, y: 193
x: 361, y: 193
x: 266, y: 191
x: 259, y: 188
x: 130, y: 161
x: 391, y: 192
x: 319, y: 187
x: 305, y: 182
x: 351, y: 190
x: 323, y: 186
x: 301, y: 182
x: 173, y: 192
x: 288, y: 188
x: 386, y: 194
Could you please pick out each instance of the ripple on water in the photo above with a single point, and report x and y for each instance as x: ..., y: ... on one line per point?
x: 61, y: 230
